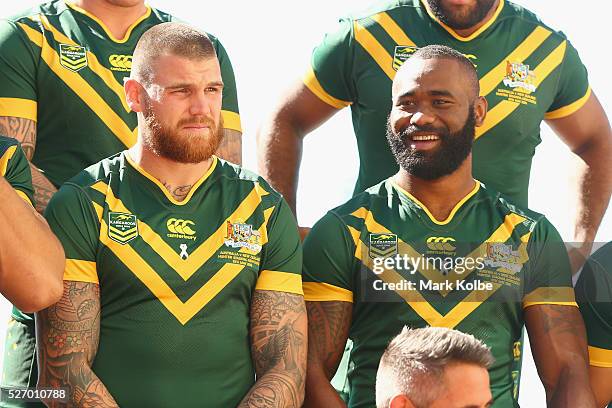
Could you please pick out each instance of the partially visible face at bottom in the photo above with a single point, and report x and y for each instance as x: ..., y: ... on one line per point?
x: 467, y: 386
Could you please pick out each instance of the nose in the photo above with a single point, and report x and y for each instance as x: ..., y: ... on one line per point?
x: 199, y: 105
x: 421, y: 118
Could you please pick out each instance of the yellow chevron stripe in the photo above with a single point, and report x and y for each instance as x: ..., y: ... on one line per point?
x: 5, y: 158
x: 19, y: 108
x: 143, y: 271
x: 80, y: 271
x: 84, y: 90
x: 186, y: 268
x: 490, y: 81
x: 393, y: 29
x: 98, y: 210
x: 569, y: 109
x: 324, y: 292
x: 505, y: 108
x: 312, y: 83
x: 100, y: 186
x: 563, y: 296
x: 104, y: 73
x: 24, y: 197
x: 374, y: 48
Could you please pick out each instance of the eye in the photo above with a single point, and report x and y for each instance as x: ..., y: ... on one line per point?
x: 213, y: 89
x: 180, y: 91
x: 441, y: 102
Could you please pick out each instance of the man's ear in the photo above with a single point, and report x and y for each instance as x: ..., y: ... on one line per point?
x: 480, y: 110
x: 134, y: 93
x: 401, y: 401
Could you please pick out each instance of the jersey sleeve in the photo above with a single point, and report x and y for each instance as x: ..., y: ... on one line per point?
x: 329, y: 261
x: 594, y: 296
x: 17, y: 73
x: 16, y: 170
x: 281, y: 267
x: 573, y: 88
x: 229, y: 106
x: 72, y: 219
x: 329, y: 76
x: 548, y: 279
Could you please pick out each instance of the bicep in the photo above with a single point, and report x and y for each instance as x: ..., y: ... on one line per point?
x: 557, y: 337
x: 585, y: 126
x: 328, y: 329
x: 278, y: 331
x: 24, y: 130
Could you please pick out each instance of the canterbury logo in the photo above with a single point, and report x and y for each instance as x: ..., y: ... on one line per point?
x: 178, y: 226
x: 440, y: 243
x: 120, y: 62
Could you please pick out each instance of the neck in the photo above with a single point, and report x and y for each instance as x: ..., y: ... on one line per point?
x: 440, y: 196
x: 177, y: 178
x: 117, y: 19
x: 466, y: 32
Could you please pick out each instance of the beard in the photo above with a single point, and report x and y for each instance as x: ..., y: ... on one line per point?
x: 454, y: 148
x: 178, y: 145
x: 460, y: 18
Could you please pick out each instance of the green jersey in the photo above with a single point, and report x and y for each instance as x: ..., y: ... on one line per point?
x: 15, y: 169
x: 176, y: 278
x: 594, y: 296
x: 528, y: 72
x: 475, y: 272
x: 61, y: 67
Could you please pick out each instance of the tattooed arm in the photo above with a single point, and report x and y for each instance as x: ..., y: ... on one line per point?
x: 328, y: 328
x: 559, y: 347
x: 230, y: 148
x: 67, y: 340
x: 278, y: 348
x: 24, y: 130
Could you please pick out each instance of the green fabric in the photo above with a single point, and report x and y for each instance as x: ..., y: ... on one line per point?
x: 594, y: 296
x: 503, y: 154
x: 75, y: 132
x: 157, y: 355
x: 339, y: 251
x: 17, y: 172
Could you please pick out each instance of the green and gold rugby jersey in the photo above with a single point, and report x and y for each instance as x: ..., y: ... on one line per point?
x: 594, y: 296
x: 176, y: 278
x: 15, y: 169
x: 60, y: 66
x: 528, y: 72
x: 505, y: 259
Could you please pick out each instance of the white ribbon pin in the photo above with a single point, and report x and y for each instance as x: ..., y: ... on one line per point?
x: 184, y: 255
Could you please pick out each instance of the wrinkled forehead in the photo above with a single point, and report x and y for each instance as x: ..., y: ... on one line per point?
x: 170, y: 67
x: 419, y: 75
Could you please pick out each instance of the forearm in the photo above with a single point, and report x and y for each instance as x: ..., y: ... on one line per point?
x: 43, y: 189
x: 280, y: 153
x: 30, y: 255
x: 319, y: 391
x: 572, y: 388
x: 280, y: 388
x: 230, y: 148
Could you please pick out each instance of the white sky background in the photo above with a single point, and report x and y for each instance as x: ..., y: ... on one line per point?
x: 269, y: 43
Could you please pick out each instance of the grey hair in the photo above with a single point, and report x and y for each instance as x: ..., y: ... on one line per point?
x: 413, y: 363
x: 168, y: 38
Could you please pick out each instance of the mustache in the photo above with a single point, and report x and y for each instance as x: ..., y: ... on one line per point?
x: 411, y: 130
x: 201, y: 120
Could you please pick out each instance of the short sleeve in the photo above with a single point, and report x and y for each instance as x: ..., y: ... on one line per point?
x: 329, y: 76
x: 72, y: 219
x: 281, y: 267
x: 548, y: 277
x: 573, y: 87
x: 329, y: 261
x: 16, y: 170
x: 229, y: 107
x: 18, y: 66
x: 594, y: 296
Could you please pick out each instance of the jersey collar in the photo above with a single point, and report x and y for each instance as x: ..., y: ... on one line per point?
x: 476, y: 33
x: 426, y: 210
x: 161, y: 186
x: 106, y: 30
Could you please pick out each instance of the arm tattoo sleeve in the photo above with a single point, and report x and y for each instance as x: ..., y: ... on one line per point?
x: 278, y: 347
x: 68, y: 334
x: 328, y: 328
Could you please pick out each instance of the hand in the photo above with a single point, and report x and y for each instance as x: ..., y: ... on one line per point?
x: 303, y: 232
